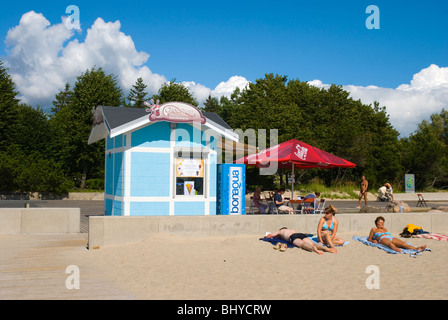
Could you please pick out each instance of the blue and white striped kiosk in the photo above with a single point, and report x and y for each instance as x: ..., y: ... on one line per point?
x: 162, y: 160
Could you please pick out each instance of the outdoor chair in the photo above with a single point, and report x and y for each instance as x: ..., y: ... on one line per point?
x: 321, y: 207
x: 308, y: 205
x: 252, y: 207
x: 273, y: 209
x: 421, y: 201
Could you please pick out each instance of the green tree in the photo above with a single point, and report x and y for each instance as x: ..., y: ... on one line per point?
x: 173, y: 91
x: 383, y: 162
x: 71, y: 125
x: 212, y: 105
x: 8, y: 108
x: 33, y: 130
x: 25, y: 137
x: 325, y: 118
x: 266, y: 104
x: 63, y: 99
x: 227, y: 106
x: 425, y: 152
x: 9, y: 164
x: 357, y: 132
x: 137, y: 95
x: 22, y: 171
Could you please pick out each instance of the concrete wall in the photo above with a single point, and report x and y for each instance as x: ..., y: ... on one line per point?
x: 105, y: 231
x: 39, y: 220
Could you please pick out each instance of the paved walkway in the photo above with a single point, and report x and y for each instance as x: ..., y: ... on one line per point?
x: 96, y: 207
x: 33, y: 267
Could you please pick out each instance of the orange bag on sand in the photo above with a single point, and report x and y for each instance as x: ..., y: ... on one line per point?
x: 412, y: 227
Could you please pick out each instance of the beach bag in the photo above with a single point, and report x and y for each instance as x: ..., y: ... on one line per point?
x: 411, y: 230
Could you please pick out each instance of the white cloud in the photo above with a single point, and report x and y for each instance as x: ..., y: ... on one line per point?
x: 319, y: 84
x: 408, y: 104
x: 433, y: 77
x: 35, y: 46
x: 199, y: 91
x: 226, y: 88
x: 42, y: 58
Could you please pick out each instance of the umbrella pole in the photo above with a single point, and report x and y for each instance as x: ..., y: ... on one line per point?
x: 292, y: 183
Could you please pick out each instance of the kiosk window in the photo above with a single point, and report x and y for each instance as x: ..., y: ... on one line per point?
x: 190, y: 176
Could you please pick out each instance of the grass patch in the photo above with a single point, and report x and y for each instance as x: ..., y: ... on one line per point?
x: 344, y: 191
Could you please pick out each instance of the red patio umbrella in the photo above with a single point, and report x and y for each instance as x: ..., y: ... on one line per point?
x: 295, y: 154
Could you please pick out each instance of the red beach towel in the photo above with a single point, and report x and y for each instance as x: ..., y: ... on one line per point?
x: 435, y: 236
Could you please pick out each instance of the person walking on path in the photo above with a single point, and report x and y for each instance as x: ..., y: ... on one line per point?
x: 363, y: 192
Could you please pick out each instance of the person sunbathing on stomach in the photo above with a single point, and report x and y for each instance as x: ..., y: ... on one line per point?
x: 382, y: 236
x: 300, y: 240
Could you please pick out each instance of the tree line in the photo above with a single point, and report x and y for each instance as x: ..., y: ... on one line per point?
x: 48, y: 151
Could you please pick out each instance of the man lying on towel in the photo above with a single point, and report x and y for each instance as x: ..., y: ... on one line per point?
x: 300, y: 240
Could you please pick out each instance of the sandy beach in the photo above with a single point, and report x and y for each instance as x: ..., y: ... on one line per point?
x: 239, y: 267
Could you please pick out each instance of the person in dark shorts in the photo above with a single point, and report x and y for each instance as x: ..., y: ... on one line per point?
x: 300, y: 240
x: 363, y: 192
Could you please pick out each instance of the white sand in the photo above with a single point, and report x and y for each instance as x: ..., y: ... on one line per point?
x: 243, y: 267
x: 238, y: 267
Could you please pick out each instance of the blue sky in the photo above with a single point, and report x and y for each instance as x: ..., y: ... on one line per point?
x: 208, y: 42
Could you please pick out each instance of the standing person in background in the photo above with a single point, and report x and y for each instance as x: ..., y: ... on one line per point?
x: 363, y: 191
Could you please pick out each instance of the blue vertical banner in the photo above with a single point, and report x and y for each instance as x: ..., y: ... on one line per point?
x: 231, y: 189
x: 409, y: 183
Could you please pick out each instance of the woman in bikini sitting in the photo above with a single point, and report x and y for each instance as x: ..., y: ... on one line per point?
x: 382, y: 236
x: 327, y: 228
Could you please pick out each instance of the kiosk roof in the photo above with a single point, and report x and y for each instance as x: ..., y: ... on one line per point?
x: 113, y: 121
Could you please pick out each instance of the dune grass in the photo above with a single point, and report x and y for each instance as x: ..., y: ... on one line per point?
x: 343, y: 191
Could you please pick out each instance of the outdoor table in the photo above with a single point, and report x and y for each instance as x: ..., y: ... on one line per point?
x: 298, y: 202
